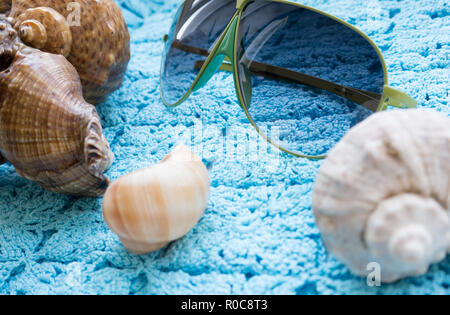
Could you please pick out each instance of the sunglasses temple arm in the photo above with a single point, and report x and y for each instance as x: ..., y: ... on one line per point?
x: 367, y: 99
x: 190, y: 49
x: 396, y: 98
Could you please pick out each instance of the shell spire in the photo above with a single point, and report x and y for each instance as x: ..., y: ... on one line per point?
x: 408, y: 232
x: 45, y: 29
x: 33, y: 32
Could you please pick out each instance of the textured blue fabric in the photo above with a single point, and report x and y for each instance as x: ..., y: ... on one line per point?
x: 258, y: 233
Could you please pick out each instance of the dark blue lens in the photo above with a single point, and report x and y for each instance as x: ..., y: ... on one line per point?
x: 197, y: 27
x: 306, y: 78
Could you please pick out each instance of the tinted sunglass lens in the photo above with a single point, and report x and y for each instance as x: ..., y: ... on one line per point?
x: 197, y: 26
x: 305, y: 77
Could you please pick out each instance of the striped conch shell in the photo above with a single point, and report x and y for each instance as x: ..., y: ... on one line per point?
x: 151, y: 207
x: 92, y: 34
x: 47, y: 130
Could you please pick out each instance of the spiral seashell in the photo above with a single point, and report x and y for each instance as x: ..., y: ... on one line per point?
x: 47, y: 131
x: 33, y: 33
x: 406, y: 233
x: 383, y: 194
x: 98, y: 45
x: 33, y: 24
x: 151, y: 207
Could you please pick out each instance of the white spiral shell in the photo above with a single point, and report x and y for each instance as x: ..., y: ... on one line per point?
x: 383, y: 194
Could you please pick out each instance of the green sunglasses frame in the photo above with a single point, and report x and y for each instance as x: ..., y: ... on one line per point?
x: 226, y: 49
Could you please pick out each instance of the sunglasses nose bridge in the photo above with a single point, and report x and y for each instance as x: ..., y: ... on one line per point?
x: 212, y: 68
x: 225, y: 50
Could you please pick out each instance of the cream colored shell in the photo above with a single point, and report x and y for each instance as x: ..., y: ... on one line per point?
x: 153, y: 206
x: 383, y: 194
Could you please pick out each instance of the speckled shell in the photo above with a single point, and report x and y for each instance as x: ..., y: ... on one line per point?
x: 47, y: 131
x: 100, y: 48
x: 383, y: 194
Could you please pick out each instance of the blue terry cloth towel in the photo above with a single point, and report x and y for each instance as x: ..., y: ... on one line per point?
x: 258, y: 234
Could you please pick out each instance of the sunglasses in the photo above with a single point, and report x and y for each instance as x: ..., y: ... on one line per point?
x: 303, y: 77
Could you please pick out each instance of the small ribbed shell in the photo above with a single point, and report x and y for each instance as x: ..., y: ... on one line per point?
x: 100, y: 48
x: 383, y: 194
x: 47, y: 131
x: 32, y: 26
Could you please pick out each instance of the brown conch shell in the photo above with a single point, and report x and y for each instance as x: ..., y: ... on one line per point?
x: 97, y: 45
x: 47, y: 130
